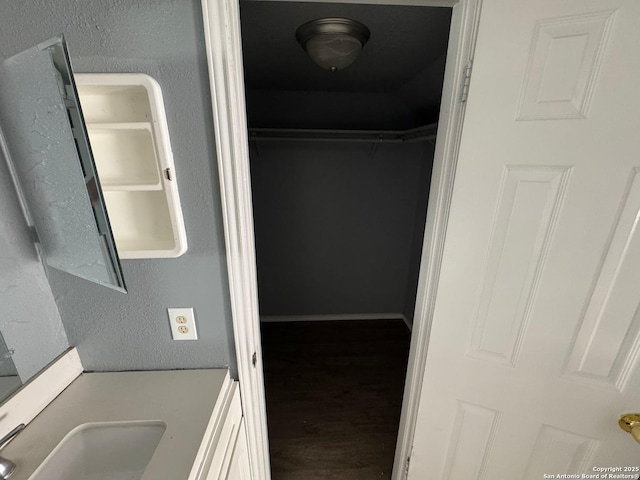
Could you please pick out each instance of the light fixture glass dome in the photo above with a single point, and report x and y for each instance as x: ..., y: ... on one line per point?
x: 333, y: 43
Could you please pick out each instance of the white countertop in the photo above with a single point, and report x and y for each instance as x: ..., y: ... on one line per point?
x: 183, y: 399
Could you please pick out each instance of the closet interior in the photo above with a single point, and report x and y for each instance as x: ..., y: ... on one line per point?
x: 340, y: 172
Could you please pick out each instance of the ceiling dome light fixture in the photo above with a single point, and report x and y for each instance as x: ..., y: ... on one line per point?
x: 333, y: 43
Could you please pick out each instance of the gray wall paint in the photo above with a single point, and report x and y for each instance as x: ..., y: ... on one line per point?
x: 162, y: 38
x: 395, y: 83
x: 331, y: 110
x: 336, y: 228
x: 418, y: 232
x: 30, y: 322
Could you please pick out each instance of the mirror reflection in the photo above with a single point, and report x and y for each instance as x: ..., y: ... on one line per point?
x: 53, y: 213
x: 9, y: 378
x: 52, y: 164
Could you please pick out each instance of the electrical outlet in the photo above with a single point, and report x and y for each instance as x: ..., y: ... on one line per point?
x: 183, y: 324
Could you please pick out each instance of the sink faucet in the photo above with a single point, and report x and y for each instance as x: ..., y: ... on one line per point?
x: 7, y: 467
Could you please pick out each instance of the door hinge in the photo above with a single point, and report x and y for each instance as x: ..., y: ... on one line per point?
x: 254, y: 359
x: 466, y: 81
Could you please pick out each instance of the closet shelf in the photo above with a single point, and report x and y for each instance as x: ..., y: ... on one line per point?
x: 125, y: 156
x: 418, y: 134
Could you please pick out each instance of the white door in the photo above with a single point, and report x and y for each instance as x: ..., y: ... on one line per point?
x: 534, y: 344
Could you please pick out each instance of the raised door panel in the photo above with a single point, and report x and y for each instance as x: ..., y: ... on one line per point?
x: 223, y: 449
x: 239, y: 468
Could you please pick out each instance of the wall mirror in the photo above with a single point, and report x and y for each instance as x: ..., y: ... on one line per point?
x: 9, y: 376
x: 52, y: 165
x: 53, y: 213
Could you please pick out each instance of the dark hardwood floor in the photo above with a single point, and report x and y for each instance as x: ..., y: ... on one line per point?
x: 334, y: 394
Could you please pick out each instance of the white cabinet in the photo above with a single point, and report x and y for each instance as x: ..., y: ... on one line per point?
x: 231, y: 460
x: 127, y: 127
x: 225, y: 455
x: 239, y: 464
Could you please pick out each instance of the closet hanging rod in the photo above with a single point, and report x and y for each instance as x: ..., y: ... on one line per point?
x: 419, y: 134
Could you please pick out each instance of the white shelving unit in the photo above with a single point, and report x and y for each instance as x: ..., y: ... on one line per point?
x: 127, y: 126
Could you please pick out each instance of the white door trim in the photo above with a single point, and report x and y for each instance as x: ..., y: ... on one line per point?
x: 464, y: 25
x: 224, y: 58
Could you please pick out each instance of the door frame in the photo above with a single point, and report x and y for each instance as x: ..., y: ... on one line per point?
x: 221, y: 19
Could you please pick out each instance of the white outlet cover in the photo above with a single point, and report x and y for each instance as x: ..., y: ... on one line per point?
x: 190, y: 324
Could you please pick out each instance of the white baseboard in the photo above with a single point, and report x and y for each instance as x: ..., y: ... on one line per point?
x: 336, y: 317
x: 407, y: 323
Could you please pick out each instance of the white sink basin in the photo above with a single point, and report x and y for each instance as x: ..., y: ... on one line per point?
x: 102, y: 451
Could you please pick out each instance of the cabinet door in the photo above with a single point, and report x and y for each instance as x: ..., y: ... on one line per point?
x: 230, y: 460
x: 239, y: 464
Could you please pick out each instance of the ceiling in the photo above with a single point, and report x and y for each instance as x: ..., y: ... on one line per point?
x: 394, y: 84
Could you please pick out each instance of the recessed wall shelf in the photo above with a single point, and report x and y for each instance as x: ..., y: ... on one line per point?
x: 127, y: 127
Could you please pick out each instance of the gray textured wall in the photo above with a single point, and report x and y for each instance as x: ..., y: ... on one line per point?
x: 337, y: 225
x: 418, y: 231
x: 161, y: 38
